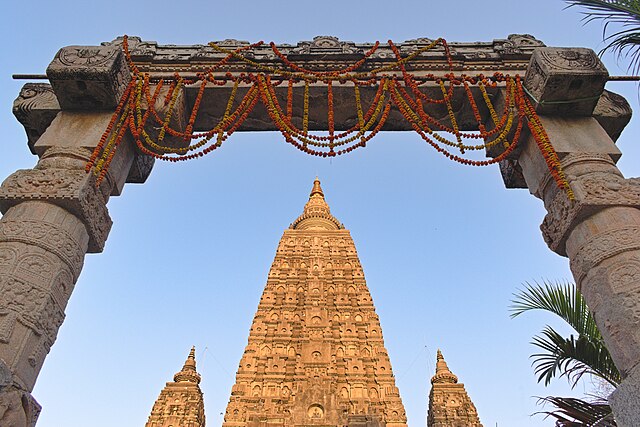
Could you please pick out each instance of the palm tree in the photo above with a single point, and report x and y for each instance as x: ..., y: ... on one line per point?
x: 572, y: 357
x: 624, y: 42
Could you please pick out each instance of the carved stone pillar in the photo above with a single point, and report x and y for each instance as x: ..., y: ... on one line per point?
x: 600, y: 230
x: 55, y: 213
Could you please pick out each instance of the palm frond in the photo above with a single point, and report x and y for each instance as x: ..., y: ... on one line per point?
x: 572, y: 357
x: 624, y: 43
x: 562, y: 299
x: 572, y: 412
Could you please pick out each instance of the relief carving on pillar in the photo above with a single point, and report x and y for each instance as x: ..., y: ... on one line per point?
x: 73, y: 190
x: 47, y: 236
x: 593, y: 192
x: 602, y: 247
x: 18, y: 408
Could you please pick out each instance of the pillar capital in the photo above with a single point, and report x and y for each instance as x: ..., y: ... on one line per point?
x: 89, y: 77
x: 565, y: 80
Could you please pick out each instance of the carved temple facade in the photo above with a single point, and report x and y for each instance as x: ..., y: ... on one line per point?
x: 315, y: 356
x: 55, y: 213
x: 180, y: 403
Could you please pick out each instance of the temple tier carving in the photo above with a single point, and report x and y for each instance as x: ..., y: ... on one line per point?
x: 449, y: 403
x: 315, y: 354
x: 181, y: 401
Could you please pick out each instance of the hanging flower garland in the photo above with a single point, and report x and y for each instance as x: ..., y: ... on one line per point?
x: 137, y: 111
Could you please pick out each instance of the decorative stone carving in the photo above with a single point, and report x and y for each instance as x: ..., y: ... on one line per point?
x: 73, y: 190
x: 324, y: 47
x: 518, y: 45
x: 35, y: 108
x: 138, y: 49
x: 309, y: 357
x: 565, y: 81
x: 18, y: 408
x: 601, y: 247
x: 593, y: 192
x: 89, y: 77
x: 613, y: 112
x: 47, y: 236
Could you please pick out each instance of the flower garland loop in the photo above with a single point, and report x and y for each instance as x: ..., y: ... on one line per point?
x: 142, y: 108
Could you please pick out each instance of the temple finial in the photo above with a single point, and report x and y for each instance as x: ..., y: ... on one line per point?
x: 443, y: 374
x: 316, y: 188
x: 188, y: 372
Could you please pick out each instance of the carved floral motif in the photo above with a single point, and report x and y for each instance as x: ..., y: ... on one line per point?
x: 73, y: 190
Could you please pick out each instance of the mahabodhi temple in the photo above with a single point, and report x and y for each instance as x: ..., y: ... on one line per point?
x: 108, y: 112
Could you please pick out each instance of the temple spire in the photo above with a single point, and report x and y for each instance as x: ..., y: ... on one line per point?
x: 188, y: 372
x: 449, y: 403
x: 180, y: 402
x: 317, y: 189
x: 316, y: 215
x: 443, y: 374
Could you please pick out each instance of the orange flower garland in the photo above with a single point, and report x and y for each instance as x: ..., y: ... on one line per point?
x: 402, y: 92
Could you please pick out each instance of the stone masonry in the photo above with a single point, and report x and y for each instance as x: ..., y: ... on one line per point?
x: 180, y: 402
x: 315, y: 355
x: 449, y: 403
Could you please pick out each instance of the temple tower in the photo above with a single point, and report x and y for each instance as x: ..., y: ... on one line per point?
x: 449, y: 403
x: 180, y: 403
x: 315, y: 355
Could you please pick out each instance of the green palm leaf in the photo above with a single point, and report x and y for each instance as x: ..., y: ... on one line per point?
x: 572, y: 357
x: 623, y: 13
x: 572, y: 412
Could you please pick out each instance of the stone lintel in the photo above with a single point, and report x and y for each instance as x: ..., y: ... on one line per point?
x: 565, y: 81
x: 89, y: 77
x: 327, y: 52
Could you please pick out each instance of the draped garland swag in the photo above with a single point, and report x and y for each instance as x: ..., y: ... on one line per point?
x: 395, y: 87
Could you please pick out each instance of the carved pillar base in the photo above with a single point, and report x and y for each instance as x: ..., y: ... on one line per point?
x: 17, y: 407
x: 625, y: 401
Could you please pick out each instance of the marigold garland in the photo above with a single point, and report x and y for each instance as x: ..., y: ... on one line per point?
x: 400, y: 91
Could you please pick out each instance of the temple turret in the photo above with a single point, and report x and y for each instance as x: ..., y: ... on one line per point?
x: 180, y: 403
x: 449, y: 403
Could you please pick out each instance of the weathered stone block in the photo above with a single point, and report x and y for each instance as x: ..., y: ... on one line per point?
x: 89, y: 77
x: 511, y: 173
x: 35, y: 108
x: 613, y: 112
x: 565, y: 81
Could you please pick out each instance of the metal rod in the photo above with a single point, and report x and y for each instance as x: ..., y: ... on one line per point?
x: 30, y: 77
x: 624, y: 78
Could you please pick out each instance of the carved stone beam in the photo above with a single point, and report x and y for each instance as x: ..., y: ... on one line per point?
x: 600, y: 230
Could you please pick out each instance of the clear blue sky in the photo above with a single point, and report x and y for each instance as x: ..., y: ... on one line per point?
x: 443, y: 246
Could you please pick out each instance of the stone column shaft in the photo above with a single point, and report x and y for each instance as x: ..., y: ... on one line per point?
x: 599, y: 232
